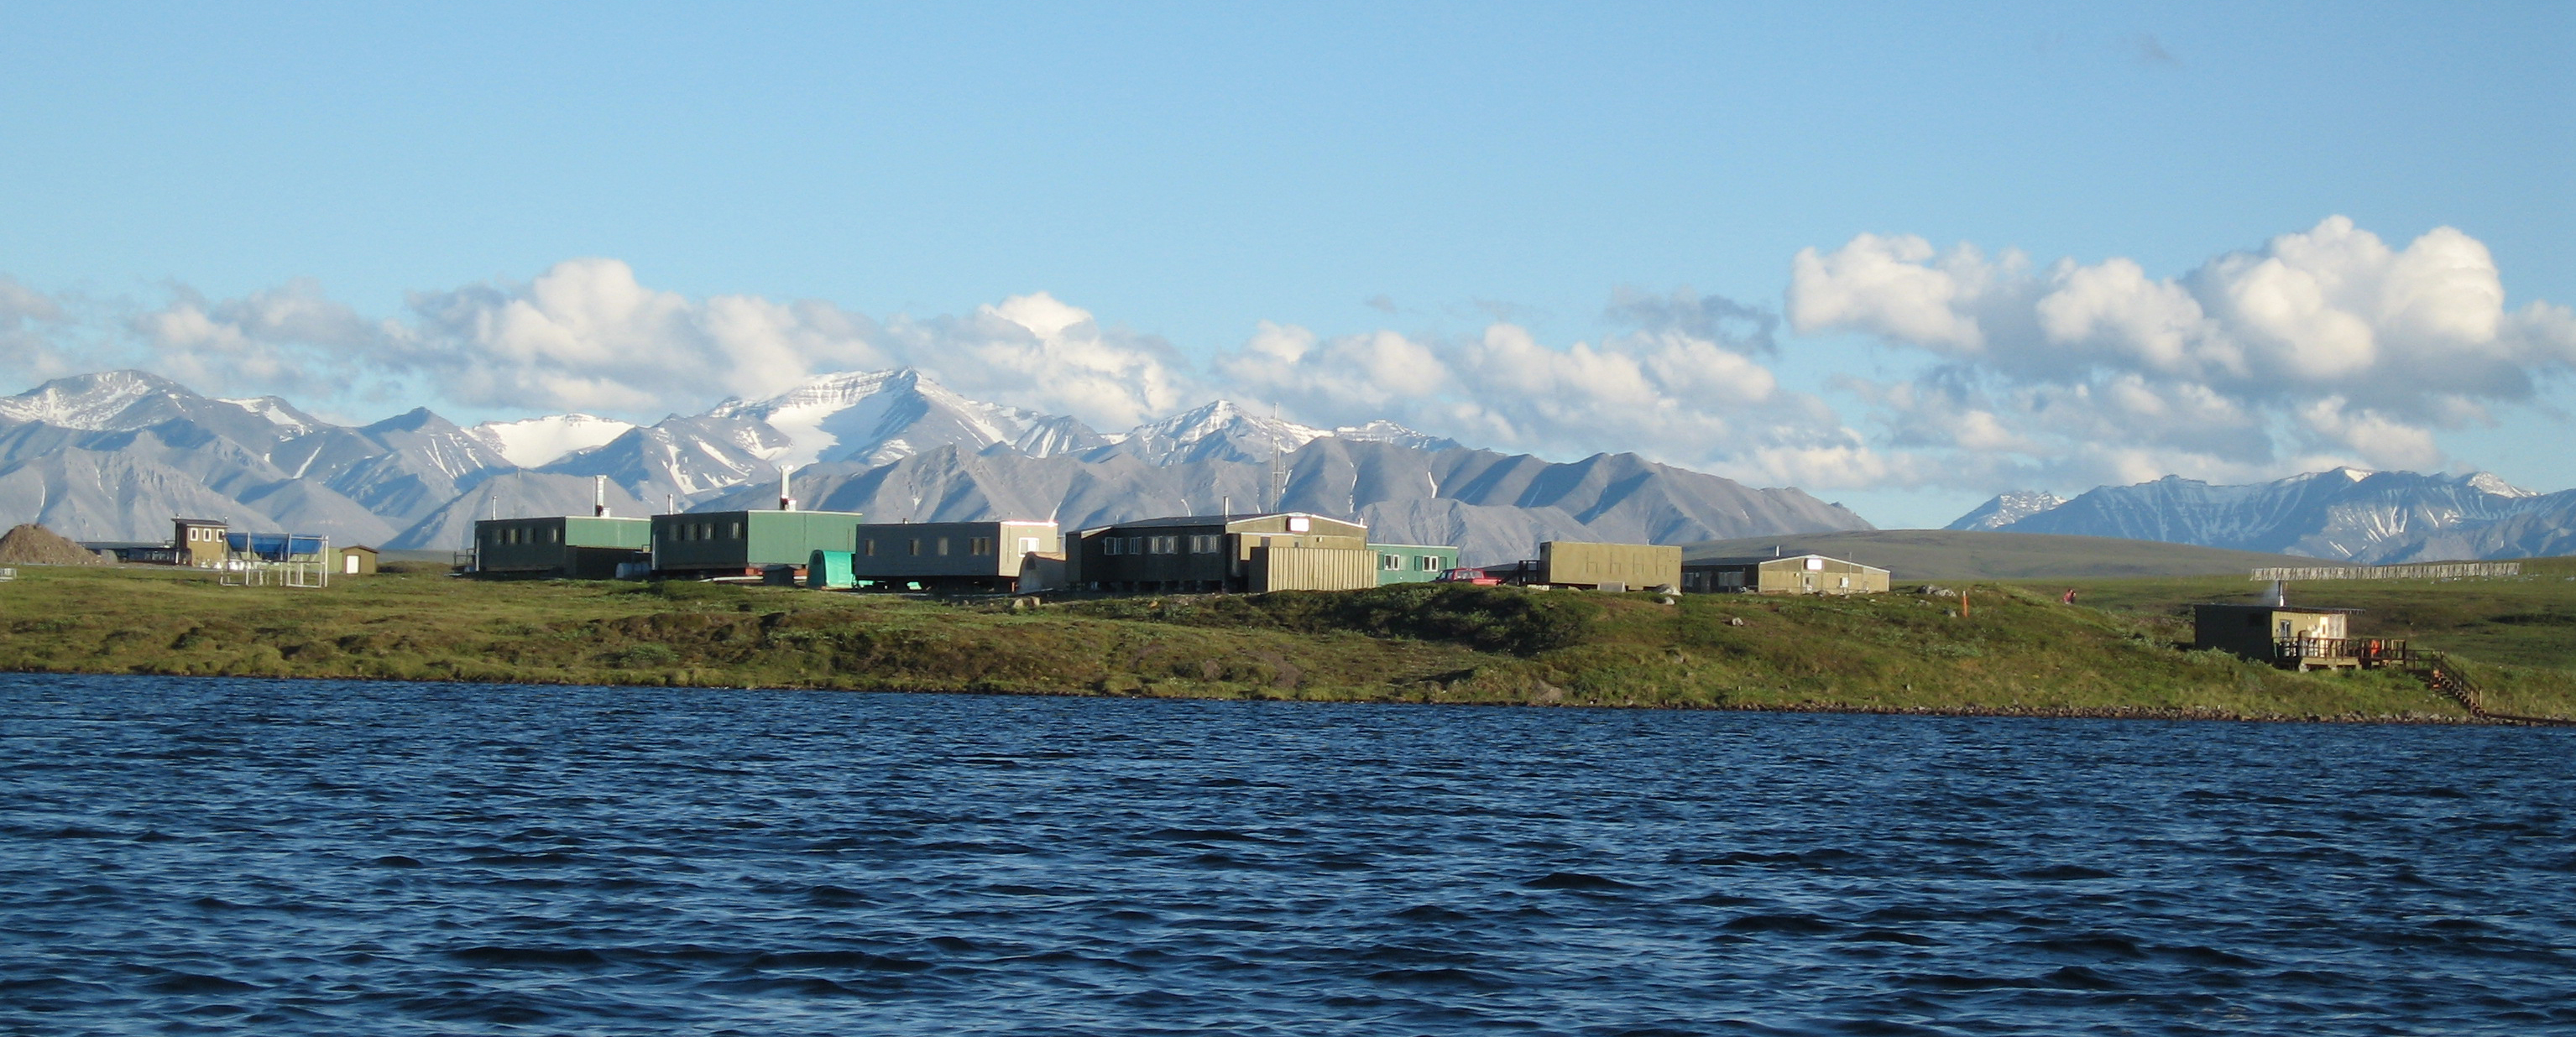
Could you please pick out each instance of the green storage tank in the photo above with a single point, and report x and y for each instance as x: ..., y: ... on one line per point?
x: 829, y: 571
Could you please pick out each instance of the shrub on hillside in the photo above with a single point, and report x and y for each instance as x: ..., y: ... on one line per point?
x: 1491, y: 619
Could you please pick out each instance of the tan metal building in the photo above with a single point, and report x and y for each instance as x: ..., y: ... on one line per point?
x: 1611, y: 567
x: 1223, y: 553
x: 1791, y: 574
x: 355, y: 560
x: 199, y: 542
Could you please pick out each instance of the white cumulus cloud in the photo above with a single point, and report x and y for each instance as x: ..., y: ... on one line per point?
x: 2322, y: 347
x: 1684, y: 387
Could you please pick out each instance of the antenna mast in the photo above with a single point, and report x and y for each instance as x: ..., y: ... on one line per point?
x: 1277, y: 491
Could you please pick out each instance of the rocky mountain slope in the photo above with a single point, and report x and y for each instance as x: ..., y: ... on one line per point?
x: 2344, y: 514
x: 115, y: 455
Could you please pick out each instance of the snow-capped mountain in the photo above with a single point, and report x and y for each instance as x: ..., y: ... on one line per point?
x: 879, y: 416
x: 1220, y: 431
x: 2342, y: 514
x: 536, y: 442
x: 113, y: 456
x: 2006, y: 509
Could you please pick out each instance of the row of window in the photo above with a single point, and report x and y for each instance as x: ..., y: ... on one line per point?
x: 519, y: 535
x: 1206, y: 544
x: 1421, y: 563
x: 976, y: 546
x: 705, y: 530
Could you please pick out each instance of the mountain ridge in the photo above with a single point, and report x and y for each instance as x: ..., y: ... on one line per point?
x: 113, y: 455
x: 2342, y: 514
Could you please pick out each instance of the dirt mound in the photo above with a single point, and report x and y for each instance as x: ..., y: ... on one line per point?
x: 31, y: 544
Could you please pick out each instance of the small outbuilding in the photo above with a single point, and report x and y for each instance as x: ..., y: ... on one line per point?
x: 1786, y: 574
x: 199, y: 542
x: 356, y: 560
x: 2295, y: 637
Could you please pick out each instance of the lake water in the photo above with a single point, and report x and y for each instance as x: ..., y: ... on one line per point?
x: 202, y: 856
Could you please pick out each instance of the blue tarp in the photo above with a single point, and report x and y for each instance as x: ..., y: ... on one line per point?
x: 273, y: 547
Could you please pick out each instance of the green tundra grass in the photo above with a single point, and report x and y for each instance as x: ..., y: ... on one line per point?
x: 2017, y: 651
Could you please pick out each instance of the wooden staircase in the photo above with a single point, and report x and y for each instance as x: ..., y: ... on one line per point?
x: 2442, y: 675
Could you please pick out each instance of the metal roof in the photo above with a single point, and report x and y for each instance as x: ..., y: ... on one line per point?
x: 1762, y: 559
x: 1214, y: 520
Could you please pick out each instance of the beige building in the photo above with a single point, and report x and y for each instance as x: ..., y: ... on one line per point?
x: 2282, y: 635
x: 1609, y: 567
x: 199, y: 542
x: 1790, y: 574
x: 355, y: 560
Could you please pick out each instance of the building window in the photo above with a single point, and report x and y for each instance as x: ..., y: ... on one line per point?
x: 871, y: 547
x: 980, y: 546
x: 1170, y: 545
x: 1427, y: 563
x: 554, y: 536
x: 1109, y: 545
x: 1028, y: 545
x: 734, y: 532
x: 1300, y: 524
x: 943, y: 547
x: 915, y: 545
x: 1390, y: 562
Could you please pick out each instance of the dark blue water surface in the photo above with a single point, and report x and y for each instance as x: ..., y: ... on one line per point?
x: 271, y: 857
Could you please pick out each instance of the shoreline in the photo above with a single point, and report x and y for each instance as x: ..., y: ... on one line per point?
x: 2150, y: 714
x: 2022, y: 654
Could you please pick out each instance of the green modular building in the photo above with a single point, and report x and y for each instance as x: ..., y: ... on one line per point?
x: 1412, y: 563
x: 741, y: 543
x: 572, y: 546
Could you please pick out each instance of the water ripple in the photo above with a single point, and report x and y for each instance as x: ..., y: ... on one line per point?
x: 233, y: 856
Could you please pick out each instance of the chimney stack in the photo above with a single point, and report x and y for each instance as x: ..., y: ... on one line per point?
x: 785, y: 502
x: 599, y: 497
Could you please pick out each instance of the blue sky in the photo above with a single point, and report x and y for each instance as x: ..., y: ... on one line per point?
x: 1192, y: 178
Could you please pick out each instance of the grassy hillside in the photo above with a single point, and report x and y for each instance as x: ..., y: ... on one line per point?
x: 2018, y: 650
x: 1939, y: 554
x: 2528, y: 620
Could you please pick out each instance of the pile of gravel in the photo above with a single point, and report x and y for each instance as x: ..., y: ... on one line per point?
x: 31, y: 544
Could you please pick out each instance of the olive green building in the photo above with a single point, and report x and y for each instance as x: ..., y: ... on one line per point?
x: 742, y: 543
x: 570, y: 546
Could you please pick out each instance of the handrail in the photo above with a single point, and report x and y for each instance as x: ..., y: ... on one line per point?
x: 2436, y: 571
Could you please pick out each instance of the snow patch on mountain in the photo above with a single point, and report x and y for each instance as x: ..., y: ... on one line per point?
x: 1220, y: 431
x: 881, y: 416
x: 277, y: 412
x: 2341, y: 513
x: 537, y: 442
x: 2006, y: 509
x: 89, y: 402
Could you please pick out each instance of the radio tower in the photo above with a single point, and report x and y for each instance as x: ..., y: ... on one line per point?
x: 1278, y: 488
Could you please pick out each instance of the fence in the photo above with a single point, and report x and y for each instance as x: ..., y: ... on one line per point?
x: 2441, y: 571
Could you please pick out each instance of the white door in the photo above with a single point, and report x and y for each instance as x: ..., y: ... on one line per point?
x: 349, y: 563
